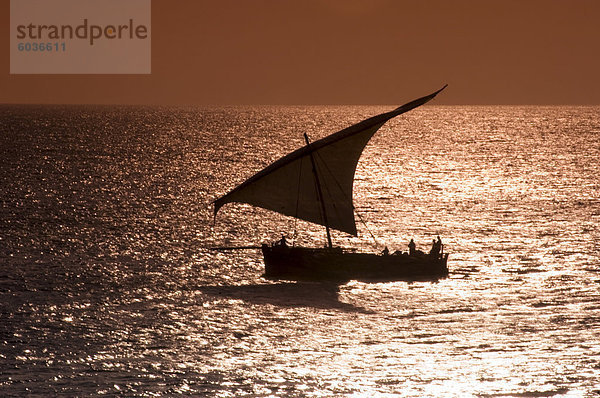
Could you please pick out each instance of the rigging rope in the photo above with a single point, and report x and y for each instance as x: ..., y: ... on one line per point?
x: 349, y: 199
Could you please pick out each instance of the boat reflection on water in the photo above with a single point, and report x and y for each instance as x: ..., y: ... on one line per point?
x: 317, y: 295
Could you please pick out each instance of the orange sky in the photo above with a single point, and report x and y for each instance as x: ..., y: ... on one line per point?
x: 345, y: 52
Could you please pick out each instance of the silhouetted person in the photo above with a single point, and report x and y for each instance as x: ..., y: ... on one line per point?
x: 436, y: 247
x: 411, y: 248
x: 385, y: 251
x: 440, y: 245
x: 283, y: 242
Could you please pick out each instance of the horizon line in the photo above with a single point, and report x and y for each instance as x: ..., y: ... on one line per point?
x: 199, y: 104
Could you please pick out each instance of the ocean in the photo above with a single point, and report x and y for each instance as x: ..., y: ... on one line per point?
x: 108, y: 285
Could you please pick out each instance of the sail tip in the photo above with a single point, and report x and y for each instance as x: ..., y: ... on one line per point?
x: 441, y: 89
x: 416, y: 103
x: 217, y: 204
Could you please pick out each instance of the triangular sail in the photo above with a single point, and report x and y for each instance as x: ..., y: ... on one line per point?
x: 288, y: 186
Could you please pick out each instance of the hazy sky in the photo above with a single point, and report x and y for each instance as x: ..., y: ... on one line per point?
x: 346, y: 52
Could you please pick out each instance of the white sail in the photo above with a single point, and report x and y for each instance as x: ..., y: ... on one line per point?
x: 289, y: 185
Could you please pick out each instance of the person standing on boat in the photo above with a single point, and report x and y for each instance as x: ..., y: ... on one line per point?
x: 436, y: 247
x: 411, y: 248
x: 440, y: 246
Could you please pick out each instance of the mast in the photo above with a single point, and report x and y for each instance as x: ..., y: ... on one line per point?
x: 319, y: 192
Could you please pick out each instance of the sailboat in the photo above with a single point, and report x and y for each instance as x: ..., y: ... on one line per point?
x: 314, y: 184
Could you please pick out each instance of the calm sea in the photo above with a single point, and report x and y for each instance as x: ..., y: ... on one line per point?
x: 107, y: 285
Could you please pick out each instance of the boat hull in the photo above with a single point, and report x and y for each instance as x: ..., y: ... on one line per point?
x: 302, y: 263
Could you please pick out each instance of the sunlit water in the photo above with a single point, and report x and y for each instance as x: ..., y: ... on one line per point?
x: 107, y: 286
